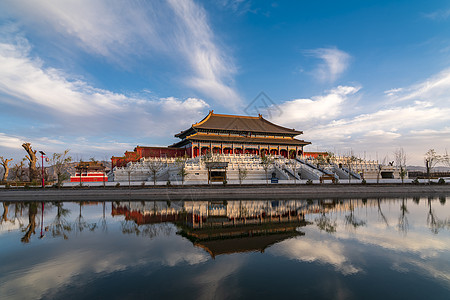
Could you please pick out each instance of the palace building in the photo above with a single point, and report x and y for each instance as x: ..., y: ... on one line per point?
x: 221, y: 148
x: 225, y: 134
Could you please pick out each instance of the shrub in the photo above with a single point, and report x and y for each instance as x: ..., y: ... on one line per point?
x: 225, y: 182
x: 118, y: 184
x: 168, y: 183
x: 309, y: 182
x: 363, y: 181
x: 415, y: 181
x: 441, y: 181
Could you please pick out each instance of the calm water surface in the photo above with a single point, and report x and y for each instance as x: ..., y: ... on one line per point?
x: 321, y: 249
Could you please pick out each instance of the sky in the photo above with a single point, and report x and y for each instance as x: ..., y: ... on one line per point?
x: 101, y: 77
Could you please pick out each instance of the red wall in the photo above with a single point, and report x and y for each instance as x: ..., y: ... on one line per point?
x: 88, y: 178
x: 315, y: 154
x: 140, y: 152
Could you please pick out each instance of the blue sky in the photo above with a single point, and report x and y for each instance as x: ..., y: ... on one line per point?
x: 100, y: 77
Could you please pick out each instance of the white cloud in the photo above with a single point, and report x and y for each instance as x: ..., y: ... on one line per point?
x: 8, y: 141
x: 382, y: 131
x: 393, y: 92
x: 237, y: 6
x: 189, y: 105
x: 382, y: 134
x: 335, y: 62
x: 30, y: 83
x: 438, y: 15
x: 70, y: 106
x: 197, y: 44
x: 435, y: 89
x: 301, y: 112
x: 176, y: 31
x: 415, y: 117
x: 25, y: 79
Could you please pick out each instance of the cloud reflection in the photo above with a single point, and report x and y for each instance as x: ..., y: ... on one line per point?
x: 308, y: 249
x: 83, y: 259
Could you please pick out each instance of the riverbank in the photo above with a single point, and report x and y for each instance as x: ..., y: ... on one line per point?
x: 229, y: 192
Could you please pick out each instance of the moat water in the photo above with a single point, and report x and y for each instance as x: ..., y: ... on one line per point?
x: 310, y: 249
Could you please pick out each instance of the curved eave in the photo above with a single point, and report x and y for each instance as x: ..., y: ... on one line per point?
x: 235, y: 139
x: 185, y: 133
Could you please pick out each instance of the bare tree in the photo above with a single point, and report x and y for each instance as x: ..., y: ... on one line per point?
x: 32, y: 160
x: 208, y: 157
x: 242, y: 173
x: 349, y: 161
x: 446, y: 159
x: 400, y: 162
x: 380, y: 168
x: 60, y: 162
x: 293, y: 166
x: 321, y: 161
x: 5, y: 163
x: 330, y: 157
x: 266, y: 162
x: 18, y: 171
x: 181, y: 165
x: 431, y: 159
x: 155, y: 166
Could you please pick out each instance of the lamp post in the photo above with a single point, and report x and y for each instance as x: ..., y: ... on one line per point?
x: 43, y: 179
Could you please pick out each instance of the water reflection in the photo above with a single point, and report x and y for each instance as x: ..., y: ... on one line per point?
x: 216, y: 226
x: 60, y: 227
x: 214, y: 217
x: 229, y: 246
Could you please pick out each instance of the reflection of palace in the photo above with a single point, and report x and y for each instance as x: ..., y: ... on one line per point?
x: 201, y: 213
x: 218, y: 227
x: 233, y: 226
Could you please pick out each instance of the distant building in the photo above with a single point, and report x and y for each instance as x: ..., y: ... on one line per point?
x: 90, y: 171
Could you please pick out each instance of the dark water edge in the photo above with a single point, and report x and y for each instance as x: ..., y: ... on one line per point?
x: 364, y: 248
x: 249, y: 192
